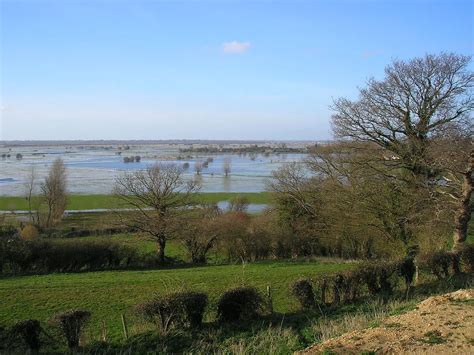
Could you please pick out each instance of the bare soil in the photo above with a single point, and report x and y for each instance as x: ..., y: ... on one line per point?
x: 439, y: 325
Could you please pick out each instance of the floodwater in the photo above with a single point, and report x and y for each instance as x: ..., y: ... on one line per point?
x: 92, y: 169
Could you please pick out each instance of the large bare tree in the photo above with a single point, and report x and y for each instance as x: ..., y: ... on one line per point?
x: 406, y: 113
x: 156, y: 198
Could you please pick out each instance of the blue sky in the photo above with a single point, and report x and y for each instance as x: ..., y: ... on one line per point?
x: 144, y: 69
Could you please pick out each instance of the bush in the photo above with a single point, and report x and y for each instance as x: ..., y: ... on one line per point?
x: 29, y: 232
x: 29, y: 330
x: 71, y: 323
x: 175, y: 309
x: 194, y: 305
x: 242, y: 303
x: 302, y: 290
x: 441, y: 263
x: 466, y: 254
x: 378, y: 277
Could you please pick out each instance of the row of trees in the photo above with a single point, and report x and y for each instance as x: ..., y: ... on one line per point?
x: 199, y: 166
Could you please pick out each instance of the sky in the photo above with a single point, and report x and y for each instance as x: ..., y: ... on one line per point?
x: 202, y: 69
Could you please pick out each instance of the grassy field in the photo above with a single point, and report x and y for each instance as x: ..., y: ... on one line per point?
x: 109, y: 294
x: 86, y: 202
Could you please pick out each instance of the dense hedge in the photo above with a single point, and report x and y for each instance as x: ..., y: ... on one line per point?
x: 43, y: 256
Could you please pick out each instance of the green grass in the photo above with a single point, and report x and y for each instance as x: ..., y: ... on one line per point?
x: 109, y: 294
x: 85, y: 202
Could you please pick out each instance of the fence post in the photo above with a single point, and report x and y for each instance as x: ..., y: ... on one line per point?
x: 269, y: 298
x: 125, y: 328
x: 104, y: 331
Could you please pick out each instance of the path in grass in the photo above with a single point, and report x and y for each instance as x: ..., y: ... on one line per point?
x: 89, y: 202
x: 109, y: 294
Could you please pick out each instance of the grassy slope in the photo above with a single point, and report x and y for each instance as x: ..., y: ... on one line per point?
x: 108, y: 294
x: 83, y: 202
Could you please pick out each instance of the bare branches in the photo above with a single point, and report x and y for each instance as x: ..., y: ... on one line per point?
x: 53, y: 192
x: 416, y: 100
x: 156, y: 195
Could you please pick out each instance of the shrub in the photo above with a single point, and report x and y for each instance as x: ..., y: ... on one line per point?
x: 29, y: 330
x: 302, y: 290
x: 466, y: 254
x: 241, y: 303
x: 71, y: 323
x: 29, y: 232
x: 175, y: 309
x: 194, y: 304
x: 378, y: 277
x: 439, y: 263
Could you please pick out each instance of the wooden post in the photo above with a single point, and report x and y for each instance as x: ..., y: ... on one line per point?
x: 104, y: 331
x: 269, y: 298
x: 125, y: 328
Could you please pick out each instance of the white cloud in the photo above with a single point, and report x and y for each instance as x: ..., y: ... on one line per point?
x: 235, y: 47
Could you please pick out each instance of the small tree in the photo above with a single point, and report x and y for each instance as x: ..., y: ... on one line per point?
x: 53, y: 193
x: 33, y: 203
x: 198, y: 167
x: 227, y: 166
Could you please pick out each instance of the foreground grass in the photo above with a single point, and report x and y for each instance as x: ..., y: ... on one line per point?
x: 86, y: 202
x: 109, y: 294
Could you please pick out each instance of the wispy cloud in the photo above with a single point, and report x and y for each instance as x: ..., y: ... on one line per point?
x: 235, y: 47
x: 372, y: 53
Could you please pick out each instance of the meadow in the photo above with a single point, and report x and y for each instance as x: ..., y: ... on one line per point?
x: 109, y: 294
x: 93, y: 201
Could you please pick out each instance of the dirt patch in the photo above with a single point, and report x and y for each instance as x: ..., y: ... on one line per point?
x: 439, y: 325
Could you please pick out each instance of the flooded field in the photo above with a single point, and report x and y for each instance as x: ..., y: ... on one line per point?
x: 93, y: 168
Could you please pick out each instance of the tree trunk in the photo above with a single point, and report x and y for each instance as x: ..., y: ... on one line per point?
x: 161, y: 250
x: 463, y: 214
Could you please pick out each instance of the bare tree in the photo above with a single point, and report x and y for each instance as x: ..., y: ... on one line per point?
x: 159, y: 197
x: 227, y: 166
x: 416, y: 100
x: 54, y: 194
x: 30, y: 191
x: 404, y: 114
x: 198, y: 167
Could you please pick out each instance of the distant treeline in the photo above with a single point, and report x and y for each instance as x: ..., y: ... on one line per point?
x: 281, y: 149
